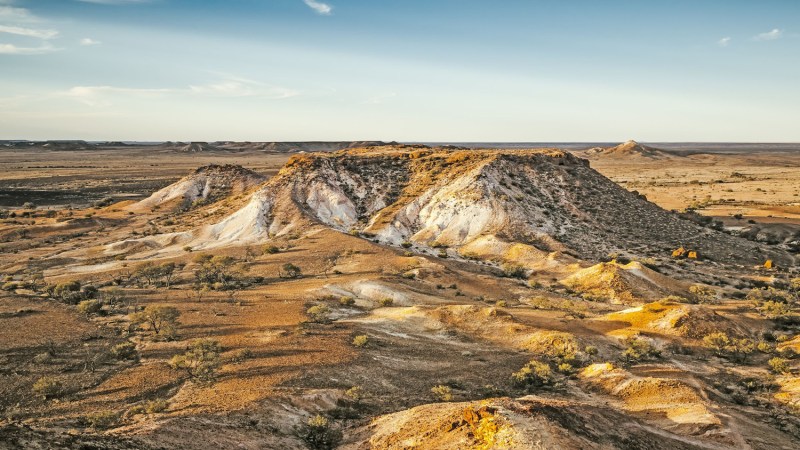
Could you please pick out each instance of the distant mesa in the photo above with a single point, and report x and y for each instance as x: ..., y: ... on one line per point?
x: 265, y: 147
x: 295, y: 147
x: 628, y: 149
x: 196, y: 146
x: 55, y: 145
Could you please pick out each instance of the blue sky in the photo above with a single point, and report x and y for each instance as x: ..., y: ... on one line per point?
x: 404, y: 70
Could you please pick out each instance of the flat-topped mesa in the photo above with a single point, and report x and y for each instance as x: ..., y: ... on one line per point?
x: 207, y: 183
x: 480, y: 203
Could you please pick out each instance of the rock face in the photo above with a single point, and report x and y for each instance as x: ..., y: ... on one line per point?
x: 628, y: 149
x: 544, y: 200
x: 208, y: 183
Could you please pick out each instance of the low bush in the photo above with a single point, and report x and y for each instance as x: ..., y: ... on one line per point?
x: 125, y: 350
x: 101, y: 420
x: 535, y: 374
x: 360, y: 340
x: 442, y: 393
x: 318, y: 434
x: 48, y: 387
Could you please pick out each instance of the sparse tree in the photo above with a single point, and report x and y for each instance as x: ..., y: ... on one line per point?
x: 217, y: 270
x: 735, y: 349
x: 161, y: 319
x: 289, y: 270
x: 200, y: 361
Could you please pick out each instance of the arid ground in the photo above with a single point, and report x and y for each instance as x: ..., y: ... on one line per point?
x: 399, y: 297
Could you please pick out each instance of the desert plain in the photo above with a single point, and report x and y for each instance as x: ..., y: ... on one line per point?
x: 389, y: 296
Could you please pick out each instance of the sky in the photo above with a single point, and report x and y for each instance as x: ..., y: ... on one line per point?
x: 405, y: 70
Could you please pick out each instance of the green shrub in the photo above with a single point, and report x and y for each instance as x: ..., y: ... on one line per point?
x: 200, y: 361
x: 533, y: 375
x: 347, y: 301
x: 270, y: 250
x: 361, y: 340
x: 289, y: 270
x: 318, y: 313
x: 318, y: 434
x: 162, y: 320
x: 703, y: 294
x: 353, y: 394
x: 731, y: 348
x: 779, y: 365
x: 89, y: 307
x: 638, y: 349
x: 125, y: 350
x: 386, y: 301
x: 102, y: 420
x: 48, y: 387
x: 566, y: 368
x: 156, y: 406
x: 514, y: 271
x: 242, y: 355
x: 442, y: 393
x: 774, y: 310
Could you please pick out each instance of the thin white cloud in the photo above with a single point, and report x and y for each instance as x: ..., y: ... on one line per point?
x: 11, y: 49
x: 16, y: 21
x: 16, y: 14
x: 232, y: 86
x: 102, y: 95
x: 775, y: 33
x: 724, y: 41
x: 115, y: 2
x: 28, y: 32
x: 320, y: 7
x: 89, y: 41
x: 380, y: 98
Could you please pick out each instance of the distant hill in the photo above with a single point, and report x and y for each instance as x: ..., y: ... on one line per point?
x: 629, y: 149
x: 295, y: 147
